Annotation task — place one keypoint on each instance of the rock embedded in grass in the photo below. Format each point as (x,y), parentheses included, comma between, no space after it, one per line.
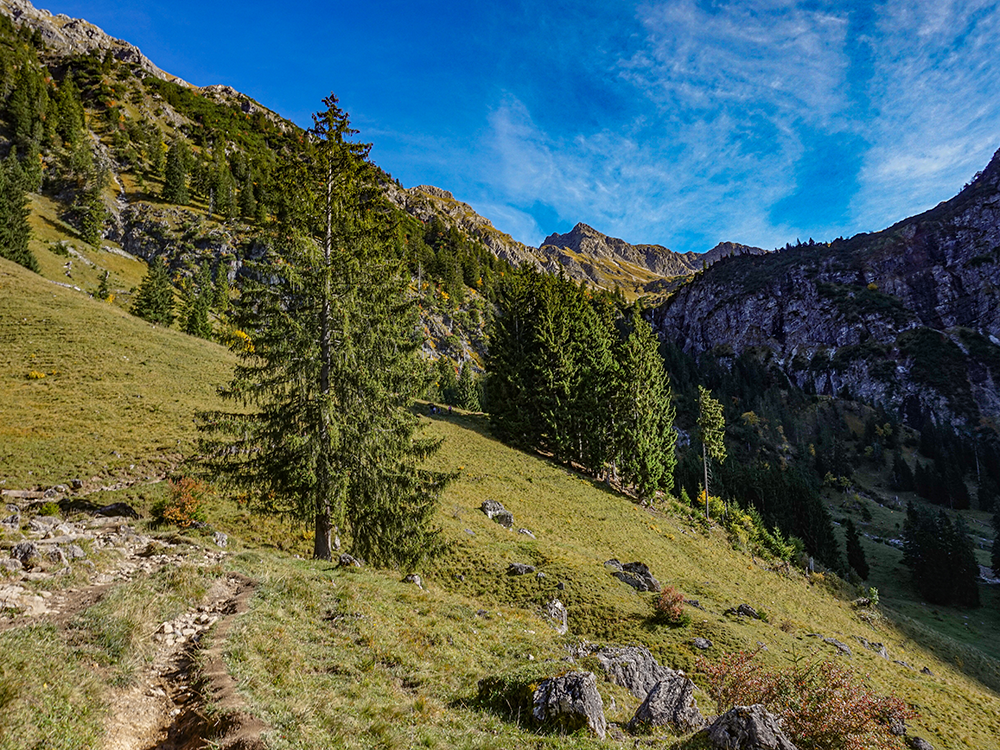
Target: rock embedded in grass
(633,668)
(748,728)
(671,703)
(520,569)
(571,702)
(495,511)
(635,574)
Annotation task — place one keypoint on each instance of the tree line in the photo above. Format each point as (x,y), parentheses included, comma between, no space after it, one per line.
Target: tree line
(577,374)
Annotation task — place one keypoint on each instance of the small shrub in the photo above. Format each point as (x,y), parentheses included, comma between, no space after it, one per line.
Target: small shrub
(669,607)
(49,509)
(822,705)
(510,695)
(35,375)
(184,506)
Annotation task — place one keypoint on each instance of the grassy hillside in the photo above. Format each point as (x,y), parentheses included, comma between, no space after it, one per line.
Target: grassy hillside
(117,397)
(329,657)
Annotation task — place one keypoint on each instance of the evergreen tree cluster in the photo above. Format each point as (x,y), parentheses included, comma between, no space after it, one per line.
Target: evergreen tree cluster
(940,557)
(14,229)
(571,373)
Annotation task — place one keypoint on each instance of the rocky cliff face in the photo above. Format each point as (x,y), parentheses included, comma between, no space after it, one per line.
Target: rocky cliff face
(909,316)
(73,36)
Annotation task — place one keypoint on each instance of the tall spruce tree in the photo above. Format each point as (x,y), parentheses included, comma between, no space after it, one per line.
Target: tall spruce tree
(855,554)
(329,368)
(155,299)
(642,412)
(175,187)
(711,433)
(14,229)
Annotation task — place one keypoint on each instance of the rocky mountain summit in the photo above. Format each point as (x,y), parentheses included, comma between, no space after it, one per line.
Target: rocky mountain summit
(74,36)
(908,317)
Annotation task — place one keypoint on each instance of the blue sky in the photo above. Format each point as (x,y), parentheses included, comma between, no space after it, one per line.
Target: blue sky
(682,123)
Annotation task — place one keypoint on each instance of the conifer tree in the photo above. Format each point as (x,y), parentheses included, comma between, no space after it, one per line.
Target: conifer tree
(220,297)
(995,551)
(197,323)
(855,554)
(468,388)
(642,412)
(711,432)
(175,187)
(329,368)
(155,299)
(14,229)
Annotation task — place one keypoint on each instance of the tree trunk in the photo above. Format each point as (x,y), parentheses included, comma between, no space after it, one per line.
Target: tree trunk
(704,459)
(321,545)
(321,541)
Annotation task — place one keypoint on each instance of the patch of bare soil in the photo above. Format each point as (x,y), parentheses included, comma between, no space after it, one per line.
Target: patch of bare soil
(165,709)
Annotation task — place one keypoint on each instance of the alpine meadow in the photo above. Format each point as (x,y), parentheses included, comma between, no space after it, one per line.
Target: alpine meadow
(294,456)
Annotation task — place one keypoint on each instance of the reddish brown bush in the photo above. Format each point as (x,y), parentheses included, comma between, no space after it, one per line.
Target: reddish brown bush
(824,707)
(184,506)
(669,607)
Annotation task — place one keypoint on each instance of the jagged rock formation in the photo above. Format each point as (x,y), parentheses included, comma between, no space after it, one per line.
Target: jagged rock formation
(74,36)
(426,201)
(909,317)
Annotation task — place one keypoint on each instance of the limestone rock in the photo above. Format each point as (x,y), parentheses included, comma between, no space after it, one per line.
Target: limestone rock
(526,533)
(636,575)
(702,643)
(634,668)
(414,579)
(520,569)
(570,701)
(670,703)
(10,565)
(220,539)
(24,553)
(497,513)
(918,743)
(348,561)
(558,615)
(748,728)
(118,509)
(12,521)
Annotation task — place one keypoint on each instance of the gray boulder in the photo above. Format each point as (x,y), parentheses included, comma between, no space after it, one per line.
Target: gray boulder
(10,565)
(558,616)
(75,552)
(24,553)
(220,538)
(744,610)
(520,569)
(12,521)
(670,703)
(57,557)
(415,579)
(702,643)
(348,561)
(918,743)
(634,668)
(123,510)
(636,575)
(748,728)
(571,702)
(497,513)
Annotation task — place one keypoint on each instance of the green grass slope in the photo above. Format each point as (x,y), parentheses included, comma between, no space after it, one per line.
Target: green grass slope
(118,395)
(330,657)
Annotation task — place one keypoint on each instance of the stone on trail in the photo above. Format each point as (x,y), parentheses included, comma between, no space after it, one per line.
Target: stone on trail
(220,539)
(24,552)
(118,509)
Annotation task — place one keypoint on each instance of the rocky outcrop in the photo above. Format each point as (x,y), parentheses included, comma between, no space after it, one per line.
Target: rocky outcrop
(635,574)
(426,202)
(495,511)
(909,317)
(748,728)
(571,702)
(670,703)
(634,668)
(73,36)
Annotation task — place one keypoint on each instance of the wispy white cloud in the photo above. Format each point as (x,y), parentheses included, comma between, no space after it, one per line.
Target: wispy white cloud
(714,138)
(936,89)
